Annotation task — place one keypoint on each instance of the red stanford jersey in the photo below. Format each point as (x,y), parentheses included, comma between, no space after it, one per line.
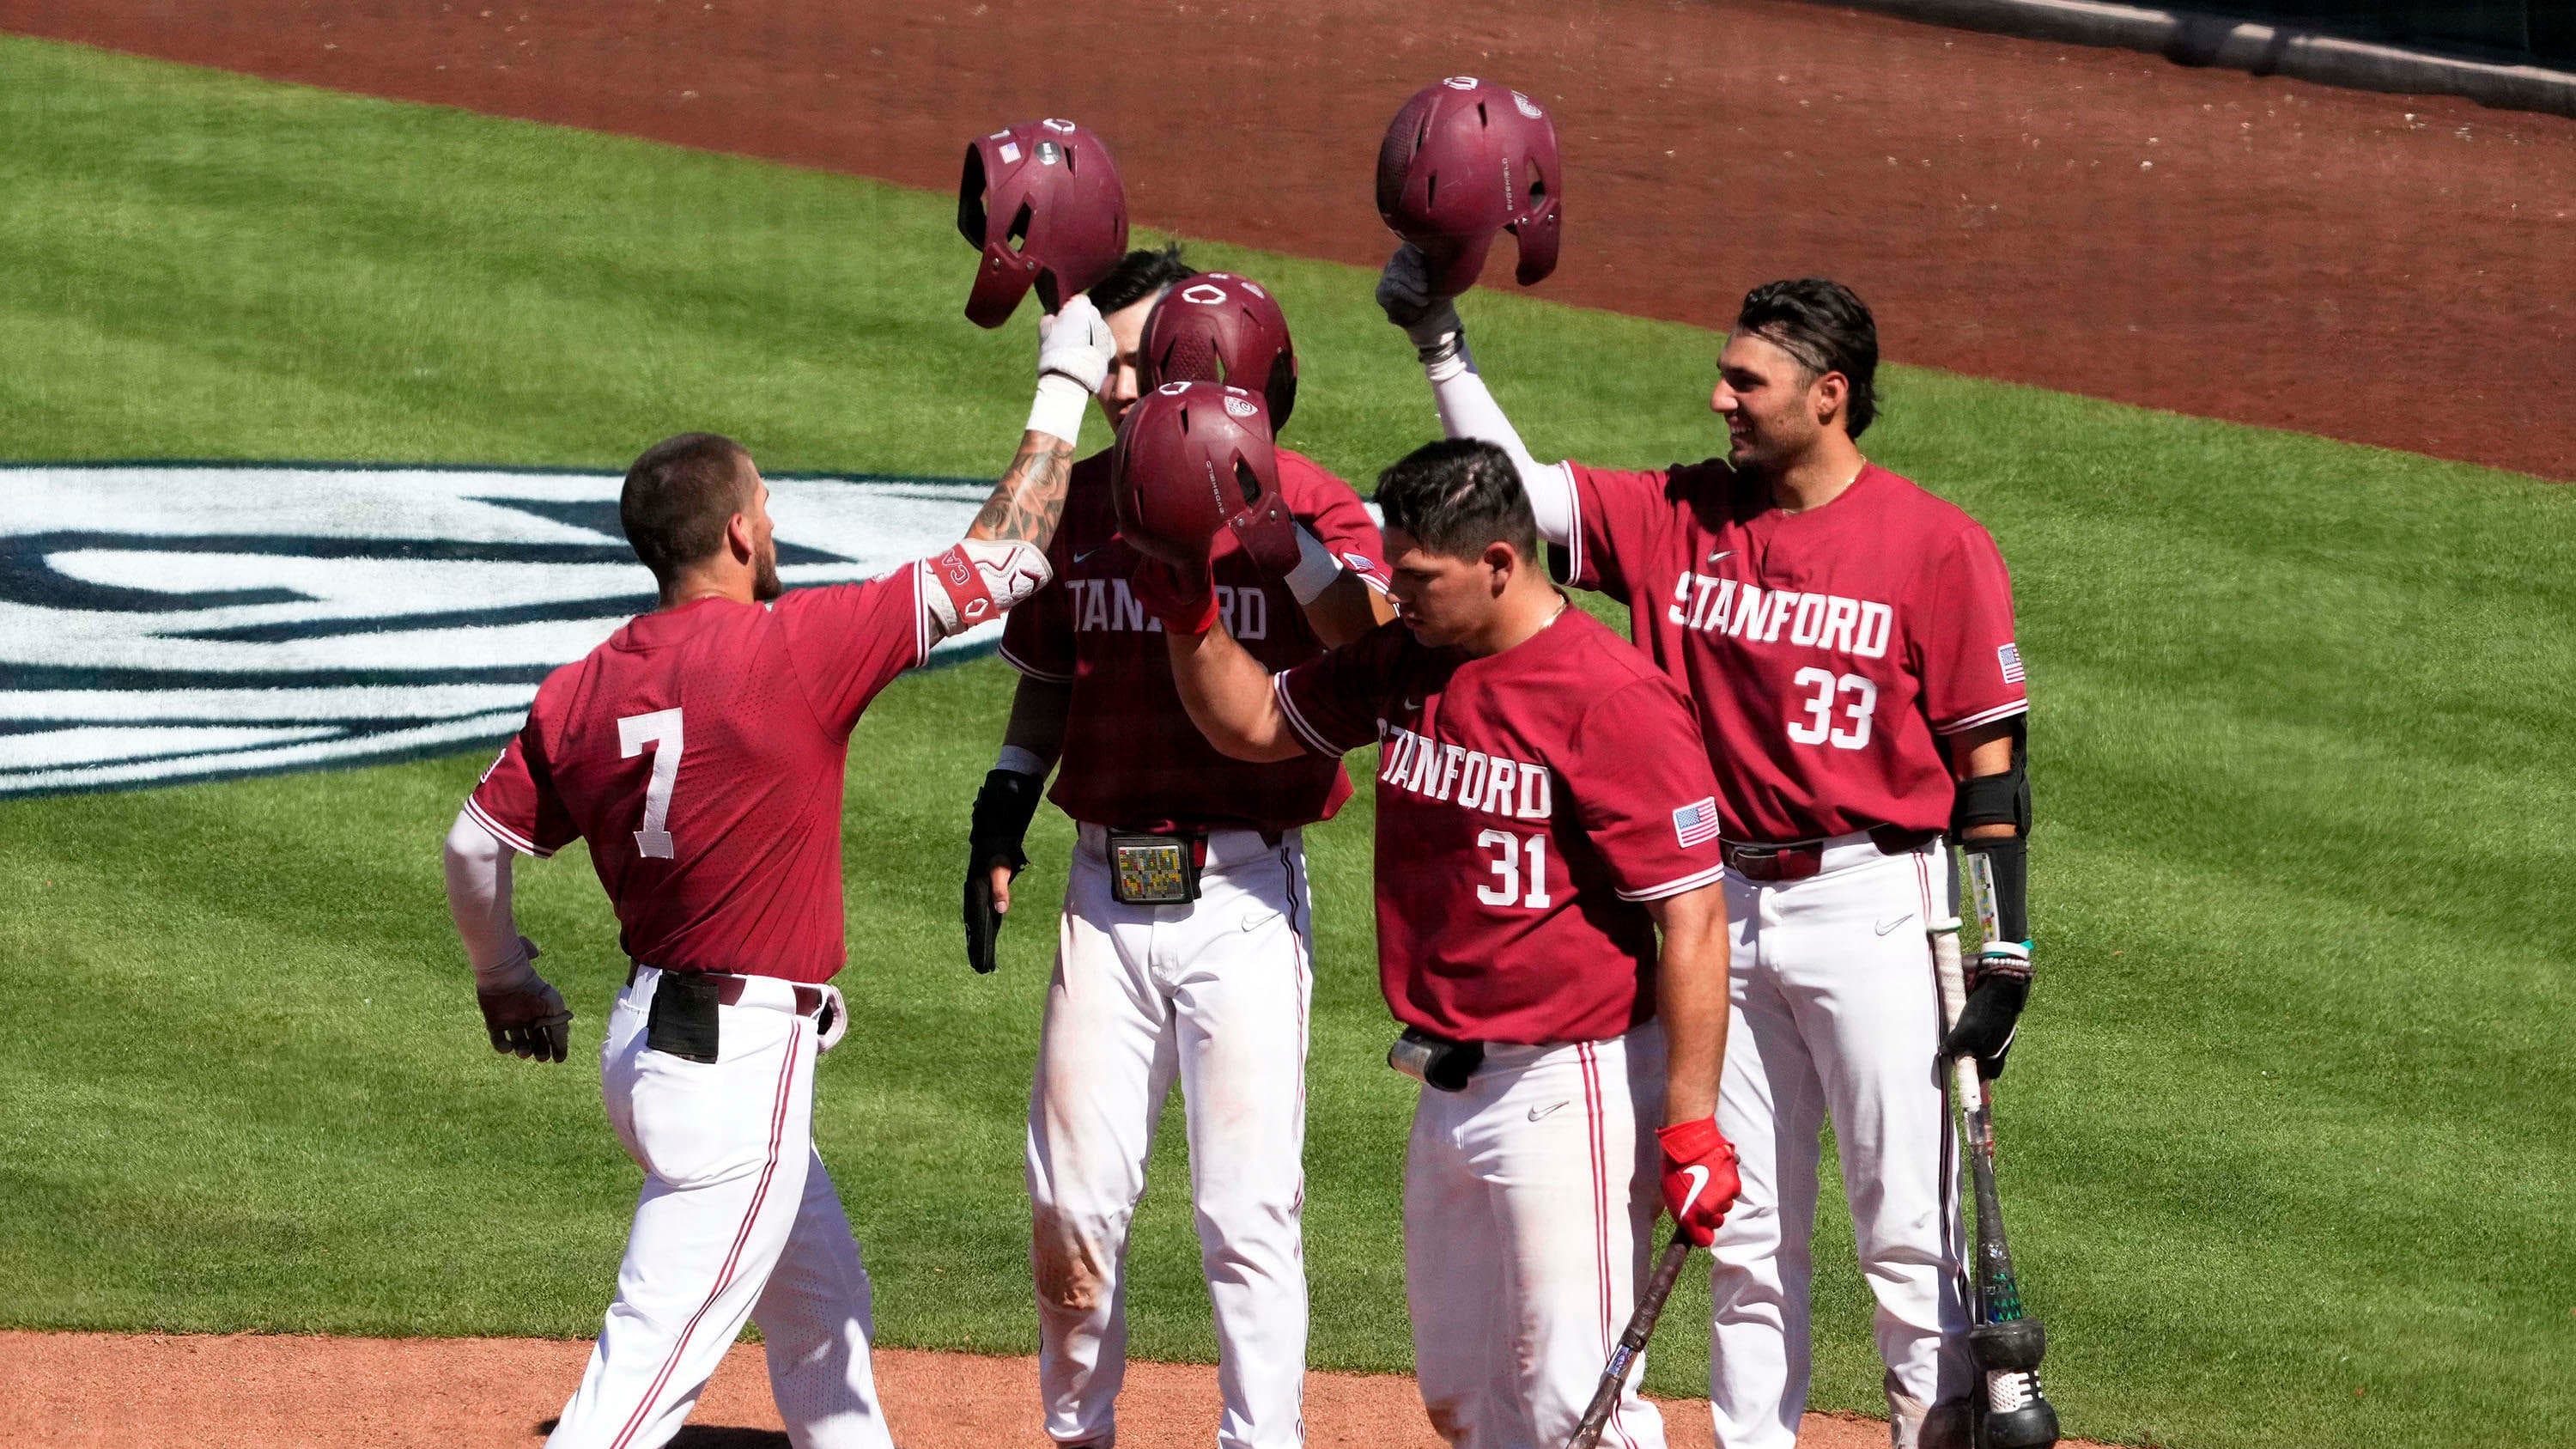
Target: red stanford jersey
(1132,759)
(1527,804)
(700,752)
(1826,652)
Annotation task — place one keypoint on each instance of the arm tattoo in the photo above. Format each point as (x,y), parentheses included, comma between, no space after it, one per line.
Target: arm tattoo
(1029,501)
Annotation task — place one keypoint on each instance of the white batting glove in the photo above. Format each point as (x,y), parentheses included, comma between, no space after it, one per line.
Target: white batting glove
(1076,344)
(1404,294)
(833,1022)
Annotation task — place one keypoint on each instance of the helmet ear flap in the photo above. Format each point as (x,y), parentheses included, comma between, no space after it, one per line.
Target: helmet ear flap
(1538,237)
(970,198)
(1280,392)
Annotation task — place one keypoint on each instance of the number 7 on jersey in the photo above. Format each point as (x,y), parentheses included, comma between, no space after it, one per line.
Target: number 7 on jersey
(661,730)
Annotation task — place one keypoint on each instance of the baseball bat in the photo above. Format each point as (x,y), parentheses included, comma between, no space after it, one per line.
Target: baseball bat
(2005,1341)
(1632,1342)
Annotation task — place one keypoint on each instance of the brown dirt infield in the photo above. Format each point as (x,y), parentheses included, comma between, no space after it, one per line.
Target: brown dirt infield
(2396,270)
(113,1391)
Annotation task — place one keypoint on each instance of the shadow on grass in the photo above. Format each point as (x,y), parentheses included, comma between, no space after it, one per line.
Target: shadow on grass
(703,1436)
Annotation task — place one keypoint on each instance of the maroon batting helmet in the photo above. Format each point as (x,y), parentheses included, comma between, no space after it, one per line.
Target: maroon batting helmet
(1043,203)
(1190,455)
(1218,327)
(1463,160)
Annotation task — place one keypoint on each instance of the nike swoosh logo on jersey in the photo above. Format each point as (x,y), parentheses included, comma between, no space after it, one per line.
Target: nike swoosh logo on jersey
(1699,1183)
(1721,553)
(1889,925)
(1084,556)
(1535,1113)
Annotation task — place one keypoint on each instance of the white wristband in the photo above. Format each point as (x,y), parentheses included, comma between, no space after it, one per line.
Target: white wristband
(1020,760)
(1446,361)
(1316,568)
(1058,408)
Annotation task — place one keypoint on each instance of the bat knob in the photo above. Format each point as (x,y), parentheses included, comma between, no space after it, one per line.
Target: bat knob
(2030,1425)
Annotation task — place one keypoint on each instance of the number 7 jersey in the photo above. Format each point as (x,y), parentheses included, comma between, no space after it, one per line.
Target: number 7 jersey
(701,751)
(1826,653)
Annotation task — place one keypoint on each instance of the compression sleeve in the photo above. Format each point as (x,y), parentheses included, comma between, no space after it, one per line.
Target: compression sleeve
(1468,410)
(478,893)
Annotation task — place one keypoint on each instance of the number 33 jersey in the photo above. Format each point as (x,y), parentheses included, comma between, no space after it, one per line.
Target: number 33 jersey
(700,751)
(1528,804)
(1826,652)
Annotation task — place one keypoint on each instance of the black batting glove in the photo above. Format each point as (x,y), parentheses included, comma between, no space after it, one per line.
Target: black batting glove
(994,836)
(1998,988)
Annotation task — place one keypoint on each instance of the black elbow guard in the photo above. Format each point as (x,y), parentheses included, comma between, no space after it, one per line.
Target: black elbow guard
(1993,800)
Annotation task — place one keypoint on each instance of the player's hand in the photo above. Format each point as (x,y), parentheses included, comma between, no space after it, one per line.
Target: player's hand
(1404,294)
(1184,599)
(1076,344)
(522,1012)
(1998,988)
(1699,1178)
(995,835)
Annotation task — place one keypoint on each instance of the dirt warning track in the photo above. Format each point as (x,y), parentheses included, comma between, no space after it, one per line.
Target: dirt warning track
(2388,269)
(245,1391)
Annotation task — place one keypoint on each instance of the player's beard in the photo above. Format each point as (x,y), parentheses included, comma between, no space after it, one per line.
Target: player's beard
(764,579)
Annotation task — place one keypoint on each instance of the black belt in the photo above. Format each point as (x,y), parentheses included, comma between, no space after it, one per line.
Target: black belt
(1799,859)
(729,988)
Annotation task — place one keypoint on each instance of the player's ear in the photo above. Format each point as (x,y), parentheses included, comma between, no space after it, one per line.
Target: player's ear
(740,538)
(1502,558)
(1831,398)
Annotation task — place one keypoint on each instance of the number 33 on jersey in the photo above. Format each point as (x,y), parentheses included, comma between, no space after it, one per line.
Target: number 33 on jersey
(1828,651)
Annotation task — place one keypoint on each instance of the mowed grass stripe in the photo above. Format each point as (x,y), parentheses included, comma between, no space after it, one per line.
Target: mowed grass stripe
(2286,1144)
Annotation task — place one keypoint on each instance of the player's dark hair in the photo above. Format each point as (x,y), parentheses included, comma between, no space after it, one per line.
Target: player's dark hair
(1139,275)
(678,498)
(1458,495)
(1825,327)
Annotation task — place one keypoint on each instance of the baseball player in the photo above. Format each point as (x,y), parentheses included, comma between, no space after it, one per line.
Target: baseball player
(1183,952)
(1543,809)
(1846,639)
(700,752)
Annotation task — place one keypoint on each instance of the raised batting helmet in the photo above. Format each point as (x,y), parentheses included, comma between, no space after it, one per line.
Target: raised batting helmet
(1043,203)
(1463,160)
(1218,327)
(1190,455)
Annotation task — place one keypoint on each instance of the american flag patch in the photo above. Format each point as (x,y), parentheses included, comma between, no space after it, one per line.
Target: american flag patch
(2009,655)
(1696,824)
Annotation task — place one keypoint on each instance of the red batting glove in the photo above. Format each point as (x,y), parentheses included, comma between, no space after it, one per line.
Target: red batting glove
(1184,600)
(1699,1178)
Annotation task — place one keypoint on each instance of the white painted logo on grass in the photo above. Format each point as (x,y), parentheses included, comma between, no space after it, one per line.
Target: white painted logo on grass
(166,623)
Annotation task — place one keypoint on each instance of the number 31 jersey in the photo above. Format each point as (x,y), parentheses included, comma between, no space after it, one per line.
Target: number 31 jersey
(1528,804)
(1826,652)
(700,751)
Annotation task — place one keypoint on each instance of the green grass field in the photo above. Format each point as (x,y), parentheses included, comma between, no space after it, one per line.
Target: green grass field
(2288,1138)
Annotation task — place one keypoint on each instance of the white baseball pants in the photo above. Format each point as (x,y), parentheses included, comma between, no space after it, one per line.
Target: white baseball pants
(1529,1201)
(737,1220)
(1836,1012)
(1214,994)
